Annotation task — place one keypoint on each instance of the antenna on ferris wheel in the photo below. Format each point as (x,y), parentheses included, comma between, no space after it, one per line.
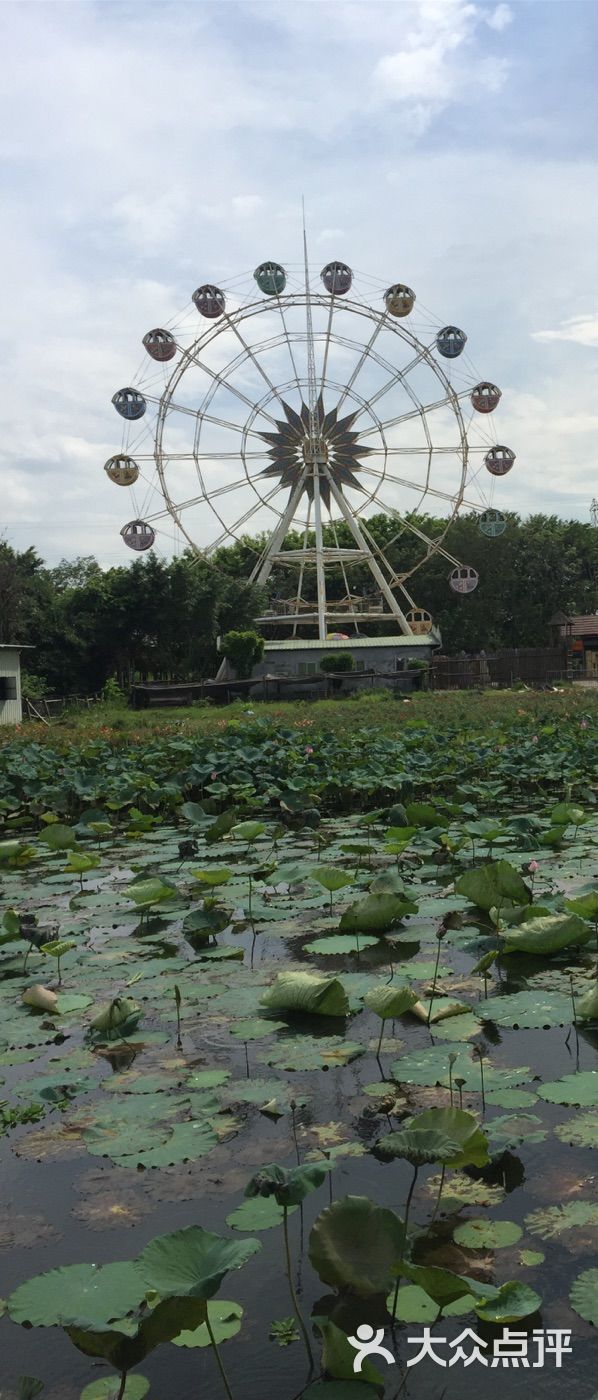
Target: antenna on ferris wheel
(594,513)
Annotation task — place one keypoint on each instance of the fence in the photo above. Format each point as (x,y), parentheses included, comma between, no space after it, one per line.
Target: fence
(532,665)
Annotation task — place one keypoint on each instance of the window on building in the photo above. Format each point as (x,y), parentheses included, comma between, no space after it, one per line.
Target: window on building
(307,668)
(8,688)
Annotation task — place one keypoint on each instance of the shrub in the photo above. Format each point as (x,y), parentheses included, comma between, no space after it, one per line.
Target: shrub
(243,650)
(337,662)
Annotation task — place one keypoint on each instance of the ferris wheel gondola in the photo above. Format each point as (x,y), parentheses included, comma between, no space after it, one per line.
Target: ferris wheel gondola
(289,420)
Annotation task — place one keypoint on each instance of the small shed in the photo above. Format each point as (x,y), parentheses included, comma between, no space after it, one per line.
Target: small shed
(580,634)
(11,711)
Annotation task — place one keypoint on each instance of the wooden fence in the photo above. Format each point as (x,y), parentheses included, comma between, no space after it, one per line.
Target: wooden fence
(532,665)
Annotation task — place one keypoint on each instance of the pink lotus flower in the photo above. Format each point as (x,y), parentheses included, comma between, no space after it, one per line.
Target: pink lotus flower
(213,777)
(308,748)
(534,738)
(533,867)
(583,724)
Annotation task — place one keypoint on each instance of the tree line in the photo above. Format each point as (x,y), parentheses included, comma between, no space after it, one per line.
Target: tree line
(161,619)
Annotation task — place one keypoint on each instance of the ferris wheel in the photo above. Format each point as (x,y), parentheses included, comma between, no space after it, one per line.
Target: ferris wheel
(284,411)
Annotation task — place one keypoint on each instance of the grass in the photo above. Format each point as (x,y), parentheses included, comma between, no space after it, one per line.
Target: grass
(474,711)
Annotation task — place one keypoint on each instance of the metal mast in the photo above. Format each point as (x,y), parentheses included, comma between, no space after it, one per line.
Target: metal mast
(316,451)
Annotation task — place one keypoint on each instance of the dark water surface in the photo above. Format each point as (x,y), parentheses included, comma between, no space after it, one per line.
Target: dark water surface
(204,1192)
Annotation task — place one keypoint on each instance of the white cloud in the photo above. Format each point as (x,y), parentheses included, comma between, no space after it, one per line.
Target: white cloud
(580,330)
(438,62)
(500,17)
(152,148)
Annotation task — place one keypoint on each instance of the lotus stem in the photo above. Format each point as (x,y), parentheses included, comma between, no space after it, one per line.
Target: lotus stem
(437,1205)
(294,1130)
(434,982)
(121,1388)
(294,1299)
(572,998)
(380,1039)
(406,1223)
(214,1346)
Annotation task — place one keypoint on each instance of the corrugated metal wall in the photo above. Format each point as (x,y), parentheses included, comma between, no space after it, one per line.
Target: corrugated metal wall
(10,671)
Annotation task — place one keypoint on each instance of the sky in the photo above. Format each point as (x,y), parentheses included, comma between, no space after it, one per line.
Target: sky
(150,147)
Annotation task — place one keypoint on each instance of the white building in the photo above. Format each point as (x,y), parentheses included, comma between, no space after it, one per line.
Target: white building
(11,711)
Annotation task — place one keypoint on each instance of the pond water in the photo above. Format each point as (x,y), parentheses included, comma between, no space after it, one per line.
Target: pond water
(80,1184)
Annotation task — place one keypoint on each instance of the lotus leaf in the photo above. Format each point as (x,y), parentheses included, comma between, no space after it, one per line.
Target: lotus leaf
(443,1285)
(419,1146)
(584,1296)
(225,1322)
(586,1007)
(514,1301)
(150,889)
(460,1126)
(338,1356)
(289,1187)
(90,1296)
(390,1000)
(413,1304)
(330,877)
(547,935)
(355,1246)
(492,884)
(376,913)
(306,993)
(191,1263)
(59,837)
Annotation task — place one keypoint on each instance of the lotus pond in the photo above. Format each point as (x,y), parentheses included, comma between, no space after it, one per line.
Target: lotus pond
(270,1075)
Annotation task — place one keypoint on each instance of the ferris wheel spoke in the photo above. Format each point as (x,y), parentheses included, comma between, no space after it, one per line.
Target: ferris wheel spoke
(432,546)
(361,361)
(230,531)
(211,419)
(426,489)
(326,347)
(254,360)
(214,494)
(220,381)
(289,347)
(420,412)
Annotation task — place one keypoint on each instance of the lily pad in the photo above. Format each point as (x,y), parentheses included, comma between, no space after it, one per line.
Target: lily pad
(584,1296)
(487,1234)
(530,1010)
(107,1388)
(514,1301)
(580,1088)
(225,1322)
(258,1213)
(551,1221)
(580,1131)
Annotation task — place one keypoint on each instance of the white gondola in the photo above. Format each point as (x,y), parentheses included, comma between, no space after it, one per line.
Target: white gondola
(138,535)
(464,579)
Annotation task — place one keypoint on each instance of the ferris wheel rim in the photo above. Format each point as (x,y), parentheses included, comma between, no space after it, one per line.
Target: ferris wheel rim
(381,321)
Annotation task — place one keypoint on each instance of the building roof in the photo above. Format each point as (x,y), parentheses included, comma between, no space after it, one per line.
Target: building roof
(348,644)
(584,626)
(16,646)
